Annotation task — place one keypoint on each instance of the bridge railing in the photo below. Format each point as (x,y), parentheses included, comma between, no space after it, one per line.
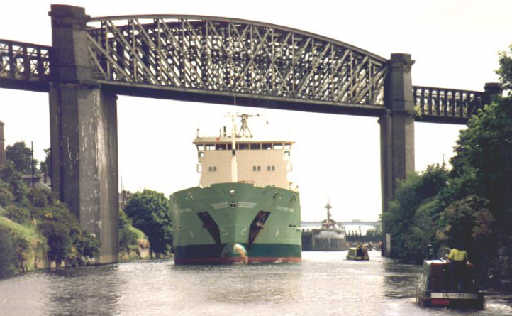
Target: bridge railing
(233,56)
(25,62)
(450,105)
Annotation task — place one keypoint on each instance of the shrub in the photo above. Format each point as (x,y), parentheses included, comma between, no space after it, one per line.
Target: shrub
(7,254)
(39,197)
(6,197)
(59,240)
(17,214)
(87,245)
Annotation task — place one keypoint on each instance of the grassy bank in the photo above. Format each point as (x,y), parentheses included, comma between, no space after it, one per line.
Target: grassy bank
(23,249)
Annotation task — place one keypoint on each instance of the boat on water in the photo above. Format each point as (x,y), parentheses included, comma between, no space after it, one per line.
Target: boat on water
(437,287)
(328,237)
(245,210)
(358,254)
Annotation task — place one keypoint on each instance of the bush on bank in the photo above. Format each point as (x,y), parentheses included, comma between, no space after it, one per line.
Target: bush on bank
(37,230)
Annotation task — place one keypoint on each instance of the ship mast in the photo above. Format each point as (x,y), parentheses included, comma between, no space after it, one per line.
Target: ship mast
(328,207)
(244,132)
(234,164)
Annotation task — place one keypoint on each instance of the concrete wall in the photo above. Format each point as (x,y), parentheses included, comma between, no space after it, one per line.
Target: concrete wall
(83,123)
(396,129)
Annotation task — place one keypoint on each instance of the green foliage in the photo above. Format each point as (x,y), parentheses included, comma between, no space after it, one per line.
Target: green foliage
(6,197)
(127,236)
(17,214)
(505,70)
(40,197)
(46,165)
(411,216)
(7,254)
(12,177)
(21,156)
(149,211)
(37,222)
(59,240)
(467,222)
(87,244)
(26,242)
(484,156)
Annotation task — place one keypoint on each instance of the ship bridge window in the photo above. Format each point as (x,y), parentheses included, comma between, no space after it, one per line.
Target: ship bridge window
(255,146)
(210,146)
(242,146)
(200,147)
(220,147)
(212,168)
(278,146)
(266,146)
(287,146)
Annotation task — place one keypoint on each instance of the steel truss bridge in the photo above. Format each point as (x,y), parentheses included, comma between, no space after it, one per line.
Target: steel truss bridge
(207,59)
(232,61)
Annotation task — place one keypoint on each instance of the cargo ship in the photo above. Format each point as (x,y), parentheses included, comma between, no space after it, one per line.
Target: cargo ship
(245,210)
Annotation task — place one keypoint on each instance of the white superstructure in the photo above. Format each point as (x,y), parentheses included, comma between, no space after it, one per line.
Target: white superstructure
(238,157)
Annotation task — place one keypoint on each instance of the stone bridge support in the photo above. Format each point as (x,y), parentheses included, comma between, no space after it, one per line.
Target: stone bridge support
(83,122)
(396,131)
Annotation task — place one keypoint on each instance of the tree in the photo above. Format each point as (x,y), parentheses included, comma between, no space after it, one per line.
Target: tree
(21,156)
(467,224)
(13,178)
(505,70)
(150,212)
(484,159)
(411,219)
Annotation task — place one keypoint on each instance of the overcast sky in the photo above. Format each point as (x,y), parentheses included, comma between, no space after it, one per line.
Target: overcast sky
(455,45)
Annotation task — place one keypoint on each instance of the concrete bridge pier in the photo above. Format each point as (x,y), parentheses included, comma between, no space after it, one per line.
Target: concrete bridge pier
(396,131)
(83,122)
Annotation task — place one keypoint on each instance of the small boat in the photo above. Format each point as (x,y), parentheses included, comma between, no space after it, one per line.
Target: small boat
(358,254)
(436,287)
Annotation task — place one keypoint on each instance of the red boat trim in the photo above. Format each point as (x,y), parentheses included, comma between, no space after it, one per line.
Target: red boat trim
(229,260)
(440,301)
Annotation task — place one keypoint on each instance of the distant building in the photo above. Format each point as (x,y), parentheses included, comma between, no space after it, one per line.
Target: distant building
(3,158)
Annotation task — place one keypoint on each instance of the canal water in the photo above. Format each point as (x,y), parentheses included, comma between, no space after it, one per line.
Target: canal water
(323,284)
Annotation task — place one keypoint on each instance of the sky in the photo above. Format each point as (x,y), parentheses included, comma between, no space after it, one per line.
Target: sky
(336,159)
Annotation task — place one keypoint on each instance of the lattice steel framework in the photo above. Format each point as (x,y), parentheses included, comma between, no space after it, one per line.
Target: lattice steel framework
(235,57)
(449,104)
(25,62)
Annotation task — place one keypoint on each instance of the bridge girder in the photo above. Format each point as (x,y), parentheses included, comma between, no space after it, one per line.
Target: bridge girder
(233,57)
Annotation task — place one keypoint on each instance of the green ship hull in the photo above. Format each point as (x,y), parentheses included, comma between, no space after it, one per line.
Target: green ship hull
(235,222)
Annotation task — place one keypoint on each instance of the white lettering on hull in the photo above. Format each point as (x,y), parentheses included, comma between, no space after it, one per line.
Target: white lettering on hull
(285,209)
(470,296)
(220,205)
